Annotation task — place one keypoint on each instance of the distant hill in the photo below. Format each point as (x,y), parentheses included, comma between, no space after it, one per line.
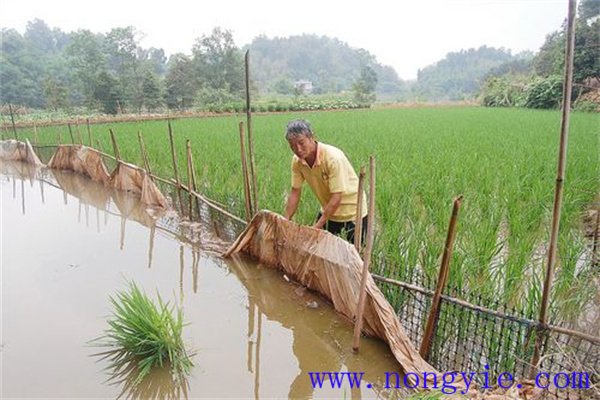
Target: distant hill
(460,74)
(330,64)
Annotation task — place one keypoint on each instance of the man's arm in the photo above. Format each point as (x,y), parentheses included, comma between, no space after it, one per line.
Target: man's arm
(329,209)
(292,203)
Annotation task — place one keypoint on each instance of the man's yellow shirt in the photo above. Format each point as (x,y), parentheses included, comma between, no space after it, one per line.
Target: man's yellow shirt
(331,173)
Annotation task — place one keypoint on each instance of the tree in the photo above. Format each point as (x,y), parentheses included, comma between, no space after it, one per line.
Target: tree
(124,62)
(283,85)
(106,93)
(364,86)
(588,9)
(180,82)
(460,74)
(40,38)
(586,63)
(218,63)
(87,58)
(151,91)
(55,93)
(157,61)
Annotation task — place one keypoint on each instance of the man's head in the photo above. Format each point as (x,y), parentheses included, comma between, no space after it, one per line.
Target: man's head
(301,139)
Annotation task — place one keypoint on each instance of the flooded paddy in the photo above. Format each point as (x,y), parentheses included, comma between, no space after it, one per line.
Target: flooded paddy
(69,243)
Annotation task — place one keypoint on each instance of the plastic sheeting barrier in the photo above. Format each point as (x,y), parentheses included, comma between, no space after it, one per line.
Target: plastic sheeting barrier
(332,267)
(13,150)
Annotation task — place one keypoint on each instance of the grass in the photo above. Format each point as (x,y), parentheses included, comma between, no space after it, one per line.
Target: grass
(143,335)
(502,160)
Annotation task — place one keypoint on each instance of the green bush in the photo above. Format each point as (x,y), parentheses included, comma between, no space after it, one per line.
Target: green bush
(586,106)
(544,92)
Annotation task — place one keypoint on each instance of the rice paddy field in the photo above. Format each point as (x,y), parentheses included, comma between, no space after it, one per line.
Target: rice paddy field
(503,161)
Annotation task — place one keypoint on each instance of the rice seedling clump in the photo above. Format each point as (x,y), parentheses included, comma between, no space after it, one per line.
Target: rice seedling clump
(145,334)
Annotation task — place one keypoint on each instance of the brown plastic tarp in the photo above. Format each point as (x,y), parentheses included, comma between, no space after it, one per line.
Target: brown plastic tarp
(13,150)
(130,178)
(332,267)
(81,159)
(88,161)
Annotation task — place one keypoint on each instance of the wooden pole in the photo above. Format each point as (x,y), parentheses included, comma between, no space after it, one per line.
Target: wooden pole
(144,154)
(248,201)
(188,147)
(115,146)
(89,131)
(35,134)
(359,218)
(558,191)
(12,119)
(194,181)
(79,133)
(367,258)
(596,237)
(175,171)
(250,139)
(71,133)
(432,320)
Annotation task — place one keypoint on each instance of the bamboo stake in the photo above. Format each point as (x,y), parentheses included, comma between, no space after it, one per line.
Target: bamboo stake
(257,356)
(193,186)
(558,191)
(432,320)
(181,267)
(367,258)
(79,133)
(250,333)
(71,133)
(195,261)
(191,178)
(89,131)
(35,134)
(250,139)
(12,119)
(596,237)
(175,171)
(248,201)
(359,218)
(151,245)
(115,146)
(59,139)
(144,154)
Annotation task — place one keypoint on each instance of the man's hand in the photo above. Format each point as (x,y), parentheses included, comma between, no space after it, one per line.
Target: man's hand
(329,210)
(292,203)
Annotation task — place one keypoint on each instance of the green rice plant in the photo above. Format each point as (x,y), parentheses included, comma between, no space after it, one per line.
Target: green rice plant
(144,335)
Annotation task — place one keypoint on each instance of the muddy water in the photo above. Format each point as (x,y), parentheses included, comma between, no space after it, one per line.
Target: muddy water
(67,247)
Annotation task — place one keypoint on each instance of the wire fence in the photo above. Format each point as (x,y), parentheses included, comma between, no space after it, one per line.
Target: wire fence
(475,339)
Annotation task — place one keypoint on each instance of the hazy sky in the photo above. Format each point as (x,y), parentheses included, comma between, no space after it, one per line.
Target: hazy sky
(406,34)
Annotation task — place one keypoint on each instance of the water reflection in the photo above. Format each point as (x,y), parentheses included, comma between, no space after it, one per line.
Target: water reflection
(160,383)
(320,343)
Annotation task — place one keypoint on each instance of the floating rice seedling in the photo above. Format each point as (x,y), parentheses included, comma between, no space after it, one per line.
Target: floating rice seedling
(143,335)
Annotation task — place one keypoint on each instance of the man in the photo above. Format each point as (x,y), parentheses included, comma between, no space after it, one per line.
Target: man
(330,176)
